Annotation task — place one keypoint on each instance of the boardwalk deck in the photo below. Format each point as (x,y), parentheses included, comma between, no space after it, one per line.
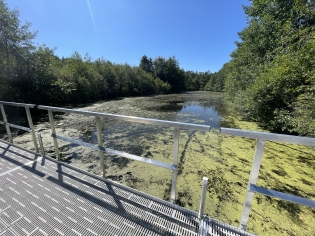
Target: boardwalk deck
(43,197)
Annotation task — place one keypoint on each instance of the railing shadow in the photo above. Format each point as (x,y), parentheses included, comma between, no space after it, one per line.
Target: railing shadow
(21,164)
(120,209)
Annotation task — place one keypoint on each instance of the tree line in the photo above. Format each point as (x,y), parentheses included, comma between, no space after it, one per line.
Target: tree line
(35,74)
(271,76)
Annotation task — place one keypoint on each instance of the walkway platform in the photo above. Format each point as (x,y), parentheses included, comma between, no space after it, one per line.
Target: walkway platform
(40,196)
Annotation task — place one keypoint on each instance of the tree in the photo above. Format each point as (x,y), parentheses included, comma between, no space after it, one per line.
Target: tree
(270,76)
(169,71)
(146,64)
(15,40)
(36,84)
(15,49)
(36,75)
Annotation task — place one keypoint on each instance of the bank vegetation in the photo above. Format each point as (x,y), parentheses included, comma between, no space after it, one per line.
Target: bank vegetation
(36,74)
(271,76)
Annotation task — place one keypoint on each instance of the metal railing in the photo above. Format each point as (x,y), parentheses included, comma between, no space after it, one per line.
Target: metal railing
(177,125)
(261,137)
(252,187)
(29,118)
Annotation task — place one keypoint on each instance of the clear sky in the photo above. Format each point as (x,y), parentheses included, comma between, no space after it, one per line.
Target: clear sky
(199,33)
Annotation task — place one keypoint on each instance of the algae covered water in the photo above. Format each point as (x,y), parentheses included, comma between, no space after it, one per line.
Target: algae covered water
(225,160)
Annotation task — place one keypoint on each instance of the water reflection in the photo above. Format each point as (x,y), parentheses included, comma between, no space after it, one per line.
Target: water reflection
(193,107)
(200,115)
(198,108)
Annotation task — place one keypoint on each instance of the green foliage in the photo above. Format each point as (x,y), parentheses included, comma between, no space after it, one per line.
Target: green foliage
(168,71)
(34,74)
(15,48)
(204,80)
(15,41)
(271,75)
(102,79)
(146,64)
(216,81)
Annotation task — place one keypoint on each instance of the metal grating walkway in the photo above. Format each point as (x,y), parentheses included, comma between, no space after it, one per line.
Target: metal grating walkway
(46,198)
(43,197)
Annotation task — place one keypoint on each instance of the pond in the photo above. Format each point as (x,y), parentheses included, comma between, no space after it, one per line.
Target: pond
(143,140)
(225,160)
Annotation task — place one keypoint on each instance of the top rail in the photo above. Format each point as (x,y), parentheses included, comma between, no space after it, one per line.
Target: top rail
(180,125)
(18,104)
(270,136)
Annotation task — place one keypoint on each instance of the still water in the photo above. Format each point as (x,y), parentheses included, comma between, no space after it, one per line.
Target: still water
(207,108)
(204,108)
(202,114)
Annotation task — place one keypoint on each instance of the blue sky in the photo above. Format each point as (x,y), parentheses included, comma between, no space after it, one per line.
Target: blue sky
(199,33)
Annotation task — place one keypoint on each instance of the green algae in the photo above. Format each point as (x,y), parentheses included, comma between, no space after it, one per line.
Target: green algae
(224,159)
(285,167)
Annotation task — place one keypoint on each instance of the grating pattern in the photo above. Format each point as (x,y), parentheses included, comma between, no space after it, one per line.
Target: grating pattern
(53,199)
(217,228)
(44,197)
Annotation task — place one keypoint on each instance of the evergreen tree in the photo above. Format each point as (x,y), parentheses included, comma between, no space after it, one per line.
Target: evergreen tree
(146,64)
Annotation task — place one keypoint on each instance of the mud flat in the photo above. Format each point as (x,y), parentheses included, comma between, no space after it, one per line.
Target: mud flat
(226,160)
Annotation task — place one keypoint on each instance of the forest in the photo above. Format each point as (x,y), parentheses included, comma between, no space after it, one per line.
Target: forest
(34,74)
(270,78)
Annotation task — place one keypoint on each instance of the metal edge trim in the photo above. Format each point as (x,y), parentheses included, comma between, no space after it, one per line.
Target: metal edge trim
(226,226)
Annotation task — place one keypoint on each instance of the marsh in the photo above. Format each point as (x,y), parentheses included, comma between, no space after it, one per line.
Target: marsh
(225,160)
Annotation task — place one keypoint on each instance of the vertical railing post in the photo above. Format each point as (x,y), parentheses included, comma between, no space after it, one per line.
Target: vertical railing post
(175,163)
(259,151)
(30,122)
(41,145)
(203,197)
(6,126)
(53,132)
(100,144)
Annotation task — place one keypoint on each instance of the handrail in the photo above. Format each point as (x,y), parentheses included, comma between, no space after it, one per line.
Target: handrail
(18,104)
(270,136)
(97,115)
(252,188)
(180,125)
